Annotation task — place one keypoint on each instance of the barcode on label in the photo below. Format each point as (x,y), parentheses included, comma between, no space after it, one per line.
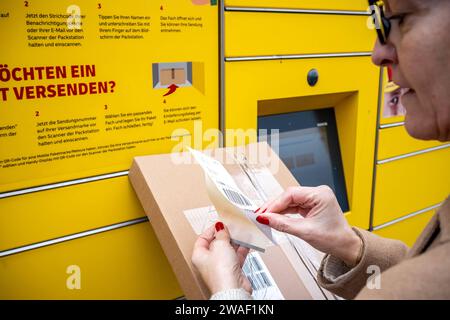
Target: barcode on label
(256,274)
(236,197)
(259,281)
(251,264)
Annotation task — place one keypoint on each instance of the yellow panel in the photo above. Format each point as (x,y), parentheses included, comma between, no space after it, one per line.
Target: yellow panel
(407,230)
(391,120)
(302,4)
(411,184)
(54,213)
(55,134)
(250,34)
(348,84)
(127,263)
(396,141)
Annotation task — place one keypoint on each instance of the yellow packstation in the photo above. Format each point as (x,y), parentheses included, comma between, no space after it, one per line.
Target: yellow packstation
(86,87)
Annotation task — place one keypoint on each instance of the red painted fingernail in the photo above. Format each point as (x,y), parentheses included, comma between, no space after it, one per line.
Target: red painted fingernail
(264,210)
(219,226)
(262,220)
(256,211)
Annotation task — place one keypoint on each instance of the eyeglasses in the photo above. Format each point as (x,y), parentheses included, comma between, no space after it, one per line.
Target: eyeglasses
(382,24)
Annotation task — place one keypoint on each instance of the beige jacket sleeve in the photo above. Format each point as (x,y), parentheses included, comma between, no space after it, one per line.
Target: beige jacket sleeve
(378,254)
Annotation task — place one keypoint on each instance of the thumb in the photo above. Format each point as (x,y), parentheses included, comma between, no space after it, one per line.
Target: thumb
(283,223)
(222,233)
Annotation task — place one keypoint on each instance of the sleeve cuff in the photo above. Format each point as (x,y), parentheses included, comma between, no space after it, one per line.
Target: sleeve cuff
(232,294)
(334,269)
(346,282)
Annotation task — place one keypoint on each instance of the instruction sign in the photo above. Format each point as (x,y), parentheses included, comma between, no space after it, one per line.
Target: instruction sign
(87,85)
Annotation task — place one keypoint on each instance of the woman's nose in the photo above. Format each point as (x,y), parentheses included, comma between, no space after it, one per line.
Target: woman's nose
(384,55)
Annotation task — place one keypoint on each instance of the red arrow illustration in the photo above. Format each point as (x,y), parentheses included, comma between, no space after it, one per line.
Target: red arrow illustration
(172,89)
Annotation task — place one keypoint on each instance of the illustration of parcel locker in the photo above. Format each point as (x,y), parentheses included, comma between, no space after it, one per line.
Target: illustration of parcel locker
(166,74)
(316,99)
(179,75)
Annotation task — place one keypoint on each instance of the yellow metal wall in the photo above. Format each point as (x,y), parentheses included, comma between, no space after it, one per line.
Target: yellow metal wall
(411,180)
(407,230)
(83,211)
(128,263)
(410,176)
(257,82)
(301,4)
(125,263)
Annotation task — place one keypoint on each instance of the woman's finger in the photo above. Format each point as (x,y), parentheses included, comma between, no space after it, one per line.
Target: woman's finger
(222,233)
(293,226)
(292,197)
(295,210)
(204,240)
(242,253)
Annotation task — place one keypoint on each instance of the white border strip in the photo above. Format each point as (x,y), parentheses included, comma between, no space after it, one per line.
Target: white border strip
(300,56)
(71,237)
(392,125)
(62,184)
(412,154)
(375,151)
(387,224)
(302,11)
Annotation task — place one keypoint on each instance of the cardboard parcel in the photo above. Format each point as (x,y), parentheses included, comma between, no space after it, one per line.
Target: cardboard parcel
(185,193)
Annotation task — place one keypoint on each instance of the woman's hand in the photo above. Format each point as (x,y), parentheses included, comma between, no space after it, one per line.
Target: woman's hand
(324,226)
(218,262)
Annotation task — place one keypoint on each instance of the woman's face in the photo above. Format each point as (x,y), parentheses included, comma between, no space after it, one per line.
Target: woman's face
(418,50)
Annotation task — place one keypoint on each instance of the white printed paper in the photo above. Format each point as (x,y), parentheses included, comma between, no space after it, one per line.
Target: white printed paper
(234,208)
(263,285)
(201,219)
